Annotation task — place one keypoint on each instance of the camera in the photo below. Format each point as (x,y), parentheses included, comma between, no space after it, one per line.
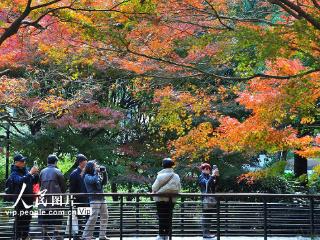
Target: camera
(215,170)
(101,169)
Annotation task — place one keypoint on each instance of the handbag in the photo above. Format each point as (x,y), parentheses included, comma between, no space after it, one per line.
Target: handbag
(208,201)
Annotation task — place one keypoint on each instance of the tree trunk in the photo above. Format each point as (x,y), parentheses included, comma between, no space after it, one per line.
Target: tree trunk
(129,198)
(284,155)
(114,189)
(300,165)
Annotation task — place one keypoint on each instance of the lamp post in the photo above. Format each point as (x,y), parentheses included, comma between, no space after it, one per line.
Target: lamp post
(7,149)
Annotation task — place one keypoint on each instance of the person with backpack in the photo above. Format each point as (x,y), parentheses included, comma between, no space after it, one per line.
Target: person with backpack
(167,182)
(20,177)
(208,181)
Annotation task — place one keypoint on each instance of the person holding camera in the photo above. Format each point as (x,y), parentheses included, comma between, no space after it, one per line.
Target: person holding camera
(208,181)
(95,177)
(14,184)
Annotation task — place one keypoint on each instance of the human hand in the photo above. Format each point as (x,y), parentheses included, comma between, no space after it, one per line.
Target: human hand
(215,172)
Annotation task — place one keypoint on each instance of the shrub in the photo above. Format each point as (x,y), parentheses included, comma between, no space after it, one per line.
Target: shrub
(269,180)
(314,180)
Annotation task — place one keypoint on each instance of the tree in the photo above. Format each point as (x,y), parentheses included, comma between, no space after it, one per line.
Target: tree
(284,115)
(224,42)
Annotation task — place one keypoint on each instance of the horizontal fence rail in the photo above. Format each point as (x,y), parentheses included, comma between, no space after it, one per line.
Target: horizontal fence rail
(134,215)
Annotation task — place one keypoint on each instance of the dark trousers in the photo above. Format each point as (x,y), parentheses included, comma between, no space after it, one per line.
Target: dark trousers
(207,216)
(164,211)
(22,223)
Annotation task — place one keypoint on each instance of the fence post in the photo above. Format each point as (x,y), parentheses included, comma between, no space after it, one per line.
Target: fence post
(15,229)
(226,209)
(137,213)
(121,217)
(182,215)
(218,218)
(312,215)
(265,219)
(171,218)
(70,218)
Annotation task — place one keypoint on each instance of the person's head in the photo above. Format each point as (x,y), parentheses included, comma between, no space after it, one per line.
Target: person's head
(205,168)
(52,159)
(81,161)
(90,167)
(167,163)
(19,161)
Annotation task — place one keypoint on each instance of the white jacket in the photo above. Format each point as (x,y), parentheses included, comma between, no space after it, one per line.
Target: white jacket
(173,186)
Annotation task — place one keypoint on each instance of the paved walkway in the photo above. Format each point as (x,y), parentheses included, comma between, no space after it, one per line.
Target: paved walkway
(226,238)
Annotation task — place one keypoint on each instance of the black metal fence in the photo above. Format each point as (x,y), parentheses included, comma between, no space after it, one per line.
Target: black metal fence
(236,214)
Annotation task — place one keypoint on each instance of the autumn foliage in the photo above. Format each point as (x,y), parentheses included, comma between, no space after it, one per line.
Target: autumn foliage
(266,53)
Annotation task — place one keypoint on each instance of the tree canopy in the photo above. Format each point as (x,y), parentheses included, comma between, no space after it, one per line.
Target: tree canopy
(153,78)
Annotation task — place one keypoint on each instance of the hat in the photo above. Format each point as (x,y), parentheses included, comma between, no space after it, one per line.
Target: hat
(167,163)
(80,158)
(205,165)
(19,158)
(52,159)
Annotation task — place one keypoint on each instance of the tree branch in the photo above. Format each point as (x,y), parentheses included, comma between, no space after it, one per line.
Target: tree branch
(45,4)
(4,72)
(14,27)
(217,16)
(314,22)
(316,3)
(261,75)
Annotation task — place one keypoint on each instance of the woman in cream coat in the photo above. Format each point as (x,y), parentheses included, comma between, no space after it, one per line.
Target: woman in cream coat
(167,182)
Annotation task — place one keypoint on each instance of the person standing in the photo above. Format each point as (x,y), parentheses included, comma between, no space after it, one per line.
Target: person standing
(77,186)
(95,178)
(52,180)
(18,178)
(208,181)
(166,182)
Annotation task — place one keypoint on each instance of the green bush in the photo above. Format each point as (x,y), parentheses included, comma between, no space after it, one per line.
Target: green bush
(314,180)
(268,180)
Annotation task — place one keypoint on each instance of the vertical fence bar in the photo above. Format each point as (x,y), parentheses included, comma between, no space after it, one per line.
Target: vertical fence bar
(218,218)
(7,149)
(265,219)
(170,218)
(15,229)
(137,213)
(182,215)
(226,209)
(121,217)
(311,216)
(70,218)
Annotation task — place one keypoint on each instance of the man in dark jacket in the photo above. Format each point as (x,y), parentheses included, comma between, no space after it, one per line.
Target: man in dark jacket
(19,176)
(77,182)
(52,179)
(208,182)
(77,186)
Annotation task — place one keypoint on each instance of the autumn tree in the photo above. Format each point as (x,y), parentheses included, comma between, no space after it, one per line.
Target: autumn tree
(225,43)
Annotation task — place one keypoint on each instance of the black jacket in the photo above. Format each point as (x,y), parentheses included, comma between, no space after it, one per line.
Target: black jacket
(77,186)
(20,176)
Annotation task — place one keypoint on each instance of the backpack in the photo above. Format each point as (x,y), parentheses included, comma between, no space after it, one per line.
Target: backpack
(9,189)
